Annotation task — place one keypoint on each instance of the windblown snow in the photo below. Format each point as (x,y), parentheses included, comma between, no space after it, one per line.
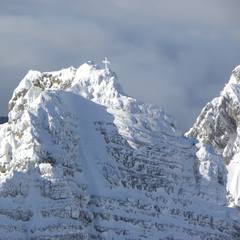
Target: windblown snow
(79,159)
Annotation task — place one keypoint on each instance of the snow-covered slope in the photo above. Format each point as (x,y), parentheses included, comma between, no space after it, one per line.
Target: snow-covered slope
(82,160)
(219,125)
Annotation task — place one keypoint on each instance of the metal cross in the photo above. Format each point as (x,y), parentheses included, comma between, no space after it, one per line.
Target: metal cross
(106,62)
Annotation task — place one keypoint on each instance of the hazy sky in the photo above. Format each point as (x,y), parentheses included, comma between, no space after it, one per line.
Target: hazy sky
(175,54)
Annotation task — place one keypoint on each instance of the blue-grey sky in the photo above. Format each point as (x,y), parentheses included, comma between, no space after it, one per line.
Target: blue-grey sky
(175,54)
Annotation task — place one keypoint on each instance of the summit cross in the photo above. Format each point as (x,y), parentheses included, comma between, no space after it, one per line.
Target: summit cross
(106,62)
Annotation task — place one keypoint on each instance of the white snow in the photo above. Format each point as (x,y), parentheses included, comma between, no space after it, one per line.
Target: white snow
(234,179)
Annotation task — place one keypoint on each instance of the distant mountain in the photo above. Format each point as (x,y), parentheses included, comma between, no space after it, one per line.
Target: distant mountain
(3,120)
(82,160)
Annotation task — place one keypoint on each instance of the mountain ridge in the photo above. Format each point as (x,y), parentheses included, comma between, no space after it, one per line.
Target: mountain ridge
(82,160)
(218,125)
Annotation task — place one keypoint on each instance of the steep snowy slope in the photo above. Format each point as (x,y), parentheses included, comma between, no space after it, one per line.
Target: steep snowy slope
(81,160)
(219,125)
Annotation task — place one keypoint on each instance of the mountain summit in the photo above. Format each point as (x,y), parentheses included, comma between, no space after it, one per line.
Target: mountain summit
(82,160)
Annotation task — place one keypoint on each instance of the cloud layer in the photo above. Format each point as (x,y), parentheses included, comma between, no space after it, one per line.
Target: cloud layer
(174,54)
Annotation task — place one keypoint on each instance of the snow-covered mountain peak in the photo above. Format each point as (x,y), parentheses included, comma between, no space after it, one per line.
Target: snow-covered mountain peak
(223,111)
(97,84)
(219,125)
(89,81)
(89,74)
(79,159)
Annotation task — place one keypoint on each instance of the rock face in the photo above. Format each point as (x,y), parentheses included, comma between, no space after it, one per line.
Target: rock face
(82,160)
(219,125)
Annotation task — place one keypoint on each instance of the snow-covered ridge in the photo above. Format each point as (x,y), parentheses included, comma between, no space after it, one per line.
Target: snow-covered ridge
(89,81)
(219,125)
